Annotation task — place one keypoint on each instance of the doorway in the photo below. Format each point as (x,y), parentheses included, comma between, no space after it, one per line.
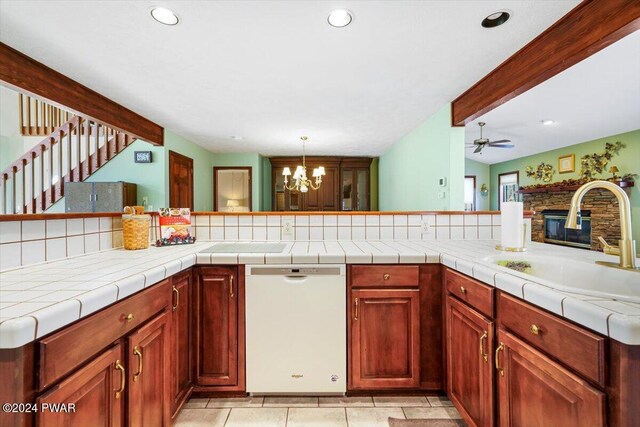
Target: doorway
(180,181)
(470,193)
(232,189)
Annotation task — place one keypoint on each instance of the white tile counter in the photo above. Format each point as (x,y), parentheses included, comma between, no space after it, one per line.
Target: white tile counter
(38,299)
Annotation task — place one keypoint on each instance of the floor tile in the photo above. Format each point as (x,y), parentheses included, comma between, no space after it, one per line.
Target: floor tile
(404,401)
(439,401)
(202,417)
(257,417)
(372,417)
(236,402)
(317,417)
(291,402)
(439,412)
(196,403)
(345,402)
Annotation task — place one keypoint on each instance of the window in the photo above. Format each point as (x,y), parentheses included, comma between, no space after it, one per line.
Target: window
(470,193)
(508,185)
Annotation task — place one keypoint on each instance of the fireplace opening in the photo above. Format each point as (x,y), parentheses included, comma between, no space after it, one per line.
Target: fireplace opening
(556,233)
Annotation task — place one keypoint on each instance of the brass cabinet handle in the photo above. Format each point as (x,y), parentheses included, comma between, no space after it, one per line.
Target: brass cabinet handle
(231,294)
(482,353)
(137,352)
(356,312)
(535,330)
(498,350)
(386,276)
(123,379)
(463,289)
(177,294)
(129,317)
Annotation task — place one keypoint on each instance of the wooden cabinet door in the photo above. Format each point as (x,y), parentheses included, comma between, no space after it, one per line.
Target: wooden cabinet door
(148,377)
(534,391)
(96,390)
(180,340)
(385,338)
(470,369)
(216,305)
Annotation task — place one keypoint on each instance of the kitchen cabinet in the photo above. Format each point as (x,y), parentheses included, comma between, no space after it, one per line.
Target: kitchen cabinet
(470,373)
(345,185)
(148,402)
(535,391)
(96,390)
(180,340)
(384,339)
(219,329)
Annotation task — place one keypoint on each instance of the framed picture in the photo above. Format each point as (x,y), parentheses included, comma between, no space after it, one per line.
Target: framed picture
(567,163)
(142,156)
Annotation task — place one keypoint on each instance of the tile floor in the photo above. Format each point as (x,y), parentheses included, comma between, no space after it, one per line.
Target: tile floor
(311,411)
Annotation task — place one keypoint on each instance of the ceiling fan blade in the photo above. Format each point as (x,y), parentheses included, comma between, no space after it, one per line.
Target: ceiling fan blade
(477,150)
(502,146)
(500,141)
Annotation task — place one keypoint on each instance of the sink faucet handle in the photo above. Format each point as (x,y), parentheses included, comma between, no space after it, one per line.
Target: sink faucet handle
(607,248)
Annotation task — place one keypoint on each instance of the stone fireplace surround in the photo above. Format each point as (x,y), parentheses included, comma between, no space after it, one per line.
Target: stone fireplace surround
(605,219)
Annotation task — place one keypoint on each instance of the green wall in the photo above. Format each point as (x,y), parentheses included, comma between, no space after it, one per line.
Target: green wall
(482,174)
(267,202)
(373,183)
(627,161)
(410,169)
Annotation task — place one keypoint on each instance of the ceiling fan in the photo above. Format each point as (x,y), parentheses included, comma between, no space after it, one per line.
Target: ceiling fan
(481,142)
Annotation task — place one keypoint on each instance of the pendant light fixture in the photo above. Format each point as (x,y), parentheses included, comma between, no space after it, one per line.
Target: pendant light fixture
(300,181)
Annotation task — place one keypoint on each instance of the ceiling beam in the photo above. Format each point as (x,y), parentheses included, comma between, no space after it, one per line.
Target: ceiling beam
(585,30)
(27,75)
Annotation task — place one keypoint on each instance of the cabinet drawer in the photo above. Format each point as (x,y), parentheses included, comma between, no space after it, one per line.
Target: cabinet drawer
(384,275)
(581,350)
(67,349)
(474,293)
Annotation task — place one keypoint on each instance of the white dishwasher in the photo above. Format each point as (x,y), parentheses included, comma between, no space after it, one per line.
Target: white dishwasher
(296,329)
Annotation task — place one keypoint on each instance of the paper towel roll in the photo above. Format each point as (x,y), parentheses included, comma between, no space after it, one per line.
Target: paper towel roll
(511,225)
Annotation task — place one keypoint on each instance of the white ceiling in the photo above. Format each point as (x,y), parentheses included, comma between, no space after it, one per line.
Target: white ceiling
(271,71)
(595,98)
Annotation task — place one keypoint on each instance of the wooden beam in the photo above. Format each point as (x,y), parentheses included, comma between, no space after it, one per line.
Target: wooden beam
(588,28)
(25,74)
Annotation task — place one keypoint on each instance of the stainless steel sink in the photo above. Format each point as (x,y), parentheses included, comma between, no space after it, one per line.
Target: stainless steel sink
(248,247)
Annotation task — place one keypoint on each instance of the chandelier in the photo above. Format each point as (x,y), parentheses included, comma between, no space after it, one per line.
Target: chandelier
(300,181)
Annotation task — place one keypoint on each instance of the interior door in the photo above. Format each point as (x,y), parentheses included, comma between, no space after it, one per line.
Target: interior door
(385,338)
(470,363)
(149,367)
(180,181)
(96,390)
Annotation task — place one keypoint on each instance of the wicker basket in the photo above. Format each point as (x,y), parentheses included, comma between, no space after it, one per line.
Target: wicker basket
(135,228)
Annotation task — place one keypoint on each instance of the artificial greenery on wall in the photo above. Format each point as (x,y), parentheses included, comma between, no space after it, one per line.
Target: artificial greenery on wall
(544,171)
(596,163)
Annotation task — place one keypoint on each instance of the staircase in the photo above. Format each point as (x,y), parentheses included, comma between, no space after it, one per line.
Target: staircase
(72,151)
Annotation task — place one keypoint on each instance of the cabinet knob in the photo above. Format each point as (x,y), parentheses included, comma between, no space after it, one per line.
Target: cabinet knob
(463,289)
(129,317)
(535,330)
(386,276)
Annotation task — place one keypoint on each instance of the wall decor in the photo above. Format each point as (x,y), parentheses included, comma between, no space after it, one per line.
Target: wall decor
(596,163)
(567,163)
(142,156)
(544,171)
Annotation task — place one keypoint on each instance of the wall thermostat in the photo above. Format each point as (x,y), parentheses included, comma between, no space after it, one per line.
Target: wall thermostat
(442,182)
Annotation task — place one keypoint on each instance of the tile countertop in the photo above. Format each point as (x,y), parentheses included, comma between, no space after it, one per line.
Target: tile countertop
(39,299)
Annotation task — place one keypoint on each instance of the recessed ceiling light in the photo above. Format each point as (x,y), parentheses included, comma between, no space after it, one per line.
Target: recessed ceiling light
(496,19)
(164,16)
(236,137)
(548,122)
(340,18)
